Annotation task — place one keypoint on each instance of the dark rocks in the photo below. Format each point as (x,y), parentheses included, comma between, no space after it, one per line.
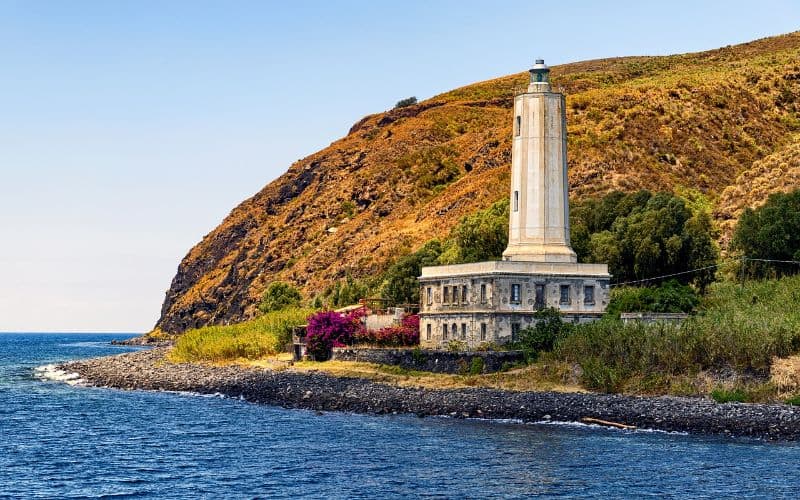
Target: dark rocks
(429,360)
(318,392)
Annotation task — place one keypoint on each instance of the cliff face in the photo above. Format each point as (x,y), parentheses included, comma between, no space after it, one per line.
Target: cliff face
(723,122)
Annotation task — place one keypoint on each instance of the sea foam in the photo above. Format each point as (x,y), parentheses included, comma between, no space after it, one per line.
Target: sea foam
(55,374)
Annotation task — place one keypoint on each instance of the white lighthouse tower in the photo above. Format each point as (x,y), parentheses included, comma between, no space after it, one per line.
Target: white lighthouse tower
(539,213)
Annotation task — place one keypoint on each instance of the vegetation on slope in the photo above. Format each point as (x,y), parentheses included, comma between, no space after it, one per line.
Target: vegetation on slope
(739,330)
(254,339)
(406,176)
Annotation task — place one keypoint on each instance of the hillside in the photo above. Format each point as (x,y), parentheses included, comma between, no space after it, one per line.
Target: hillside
(724,122)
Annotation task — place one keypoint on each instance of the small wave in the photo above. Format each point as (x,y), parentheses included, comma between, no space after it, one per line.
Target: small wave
(55,374)
(565,423)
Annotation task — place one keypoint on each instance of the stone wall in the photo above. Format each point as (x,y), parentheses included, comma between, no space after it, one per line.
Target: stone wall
(430,360)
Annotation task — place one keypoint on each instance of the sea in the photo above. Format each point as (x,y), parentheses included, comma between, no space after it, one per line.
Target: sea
(59,439)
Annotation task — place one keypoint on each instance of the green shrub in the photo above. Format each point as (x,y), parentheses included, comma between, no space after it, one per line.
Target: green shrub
(542,336)
(408,101)
(738,327)
(794,400)
(735,395)
(456,346)
(476,366)
(279,296)
(345,292)
(254,339)
(669,297)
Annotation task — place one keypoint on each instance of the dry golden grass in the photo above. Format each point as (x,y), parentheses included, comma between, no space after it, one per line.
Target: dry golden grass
(785,375)
(540,377)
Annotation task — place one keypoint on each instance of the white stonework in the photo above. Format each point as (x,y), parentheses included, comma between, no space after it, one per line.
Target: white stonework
(490,302)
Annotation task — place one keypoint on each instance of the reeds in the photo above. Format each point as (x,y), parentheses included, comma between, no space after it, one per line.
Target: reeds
(263,336)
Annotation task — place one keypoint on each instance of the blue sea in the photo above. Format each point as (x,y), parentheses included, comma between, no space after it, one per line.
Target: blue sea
(59,440)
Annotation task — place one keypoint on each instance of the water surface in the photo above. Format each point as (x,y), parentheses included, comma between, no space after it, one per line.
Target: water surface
(62,441)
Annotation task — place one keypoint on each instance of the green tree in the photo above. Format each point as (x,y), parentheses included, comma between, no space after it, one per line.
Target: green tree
(771,231)
(542,336)
(478,237)
(279,296)
(652,235)
(346,292)
(408,101)
(400,283)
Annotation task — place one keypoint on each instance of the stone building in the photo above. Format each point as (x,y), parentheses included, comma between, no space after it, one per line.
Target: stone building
(492,301)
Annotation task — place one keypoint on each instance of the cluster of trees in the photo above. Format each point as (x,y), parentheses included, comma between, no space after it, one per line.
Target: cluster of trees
(771,233)
(641,235)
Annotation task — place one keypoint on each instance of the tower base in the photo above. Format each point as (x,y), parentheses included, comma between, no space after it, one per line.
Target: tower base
(540,253)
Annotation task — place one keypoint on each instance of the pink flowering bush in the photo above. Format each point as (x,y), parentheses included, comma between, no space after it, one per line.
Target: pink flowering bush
(329,329)
(404,334)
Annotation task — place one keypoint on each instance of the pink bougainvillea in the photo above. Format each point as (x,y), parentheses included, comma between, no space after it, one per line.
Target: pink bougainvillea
(404,334)
(329,329)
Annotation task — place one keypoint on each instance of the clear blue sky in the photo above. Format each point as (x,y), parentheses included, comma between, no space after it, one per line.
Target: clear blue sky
(129,129)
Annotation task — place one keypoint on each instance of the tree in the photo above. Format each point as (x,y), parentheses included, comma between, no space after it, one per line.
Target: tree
(771,231)
(400,283)
(278,296)
(652,235)
(408,101)
(542,336)
(478,237)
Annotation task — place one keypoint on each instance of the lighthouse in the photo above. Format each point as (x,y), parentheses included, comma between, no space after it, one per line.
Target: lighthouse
(539,207)
(491,302)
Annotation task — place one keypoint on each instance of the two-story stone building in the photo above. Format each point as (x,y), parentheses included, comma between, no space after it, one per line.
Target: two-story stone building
(492,301)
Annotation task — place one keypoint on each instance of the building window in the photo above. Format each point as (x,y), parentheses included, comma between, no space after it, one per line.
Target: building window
(483,293)
(516,201)
(428,332)
(565,299)
(517,126)
(514,332)
(483,331)
(539,302)
(429,294)
(463,331)
(454,331)
(446,295)
(444,332)
(464,294)
(588,295)
(515,293)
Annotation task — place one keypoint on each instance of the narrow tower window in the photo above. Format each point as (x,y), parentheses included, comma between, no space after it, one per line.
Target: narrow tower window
(515,293)
(483,293)
(516,201)
(518,126)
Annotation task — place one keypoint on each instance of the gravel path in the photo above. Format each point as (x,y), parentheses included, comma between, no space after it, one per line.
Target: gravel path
(149,371)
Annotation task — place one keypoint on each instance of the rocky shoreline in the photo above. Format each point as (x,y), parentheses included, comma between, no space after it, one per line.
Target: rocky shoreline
(148,370)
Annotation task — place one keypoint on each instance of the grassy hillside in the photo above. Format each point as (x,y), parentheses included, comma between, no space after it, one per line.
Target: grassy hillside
(720,122)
